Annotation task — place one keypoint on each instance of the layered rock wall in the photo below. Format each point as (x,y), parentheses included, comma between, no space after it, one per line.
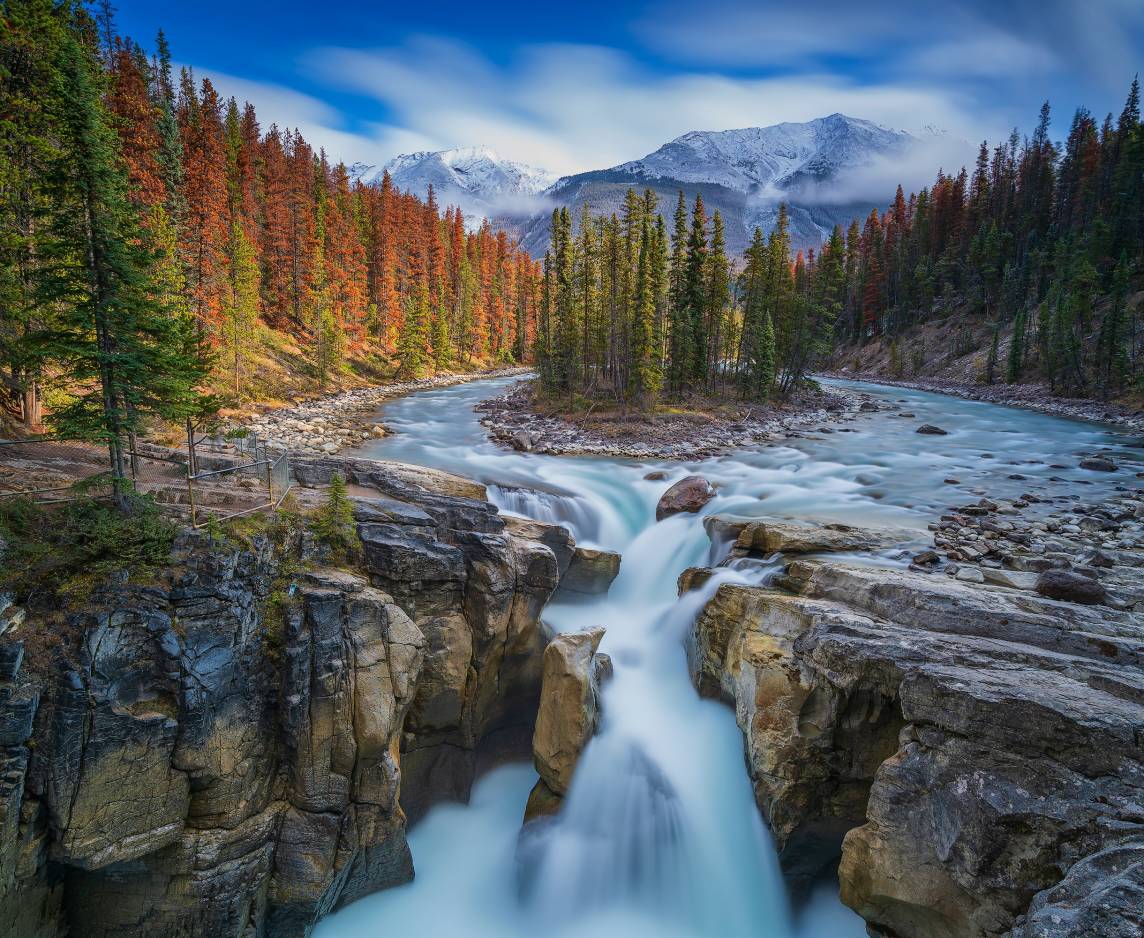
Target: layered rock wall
(234,750)
(979,747)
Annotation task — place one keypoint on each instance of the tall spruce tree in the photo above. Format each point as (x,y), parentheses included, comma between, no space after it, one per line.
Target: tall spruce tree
(127,354)
(695,284)
(240,305)
(681,335)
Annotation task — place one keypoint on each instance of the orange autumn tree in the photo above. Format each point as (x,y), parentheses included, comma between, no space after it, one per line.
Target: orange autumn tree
(260,232)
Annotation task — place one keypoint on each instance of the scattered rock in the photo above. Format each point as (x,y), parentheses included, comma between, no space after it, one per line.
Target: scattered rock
(1098,464)
(931,430)
(1071,587)
(1013,579)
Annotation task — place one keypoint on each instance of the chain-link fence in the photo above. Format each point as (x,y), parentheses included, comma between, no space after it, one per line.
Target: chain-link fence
(215,477)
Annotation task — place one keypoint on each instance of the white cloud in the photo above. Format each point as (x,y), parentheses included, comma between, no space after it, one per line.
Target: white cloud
(913,169)
(986,54)
(570,108)
(320,124)
(770,33)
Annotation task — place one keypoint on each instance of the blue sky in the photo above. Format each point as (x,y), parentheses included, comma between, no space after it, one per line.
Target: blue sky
(581,86)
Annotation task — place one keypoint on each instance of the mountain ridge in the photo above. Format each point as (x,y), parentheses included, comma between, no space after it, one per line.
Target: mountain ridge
(816,167)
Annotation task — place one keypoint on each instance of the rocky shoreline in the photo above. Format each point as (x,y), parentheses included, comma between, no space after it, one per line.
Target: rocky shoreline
(1036,397)
(327,425)
(512,420)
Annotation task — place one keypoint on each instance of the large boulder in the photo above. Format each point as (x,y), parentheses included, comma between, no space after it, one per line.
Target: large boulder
(569,708)
(690,493)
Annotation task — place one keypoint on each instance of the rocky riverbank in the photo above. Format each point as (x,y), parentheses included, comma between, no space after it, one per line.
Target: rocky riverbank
(968,743)
(1036,397)
(512,419)
(234,748)
(332,423)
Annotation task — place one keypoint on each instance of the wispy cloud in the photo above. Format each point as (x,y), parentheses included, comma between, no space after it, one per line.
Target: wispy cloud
(570,108)
(972,67)
(323,126)
(1095,42)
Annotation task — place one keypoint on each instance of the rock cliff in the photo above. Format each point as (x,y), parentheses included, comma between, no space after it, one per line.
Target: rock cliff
(235,748)
(973,752)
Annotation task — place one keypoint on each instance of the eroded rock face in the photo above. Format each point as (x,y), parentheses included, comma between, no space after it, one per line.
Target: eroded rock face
(764,537)
(978,743)
(688,494)
(569,705)
(1102,895)
(230,752)
(590,571)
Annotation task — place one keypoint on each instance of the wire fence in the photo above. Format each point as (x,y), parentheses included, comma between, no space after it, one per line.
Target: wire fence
(211,478)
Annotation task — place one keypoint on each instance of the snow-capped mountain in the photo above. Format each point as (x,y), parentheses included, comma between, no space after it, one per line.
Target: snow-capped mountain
(827,171)
(474,178)
(783,156)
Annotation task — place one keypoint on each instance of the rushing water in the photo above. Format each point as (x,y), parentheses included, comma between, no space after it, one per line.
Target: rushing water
(660,834)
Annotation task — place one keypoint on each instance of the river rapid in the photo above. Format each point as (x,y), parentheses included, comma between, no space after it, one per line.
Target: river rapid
(660,834)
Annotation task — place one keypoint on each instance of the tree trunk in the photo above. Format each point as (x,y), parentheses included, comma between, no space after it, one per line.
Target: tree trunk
(32,406)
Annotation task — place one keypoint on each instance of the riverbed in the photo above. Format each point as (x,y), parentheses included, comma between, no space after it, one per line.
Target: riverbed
(660,834)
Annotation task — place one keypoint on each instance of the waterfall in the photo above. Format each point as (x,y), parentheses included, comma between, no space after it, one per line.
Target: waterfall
(659,834)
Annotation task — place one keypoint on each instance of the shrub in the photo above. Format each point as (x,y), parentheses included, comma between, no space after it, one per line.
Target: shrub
(55,549)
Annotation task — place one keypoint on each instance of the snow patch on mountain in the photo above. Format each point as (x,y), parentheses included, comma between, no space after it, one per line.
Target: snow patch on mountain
(827,171)
(780,157)
(475,179)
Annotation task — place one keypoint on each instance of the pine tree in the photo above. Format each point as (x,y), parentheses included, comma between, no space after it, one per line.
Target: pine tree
(681,337)
(695,294)
(241,304)
(756,358)
(646,378)
(717,299)
(30,140)
(411,339)
(1112,346)
(327,339)
(333,522)
(127,356)
(586,276)
(442,350)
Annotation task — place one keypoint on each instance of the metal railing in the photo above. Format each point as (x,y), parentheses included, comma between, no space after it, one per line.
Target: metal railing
(60,470)
(278,482)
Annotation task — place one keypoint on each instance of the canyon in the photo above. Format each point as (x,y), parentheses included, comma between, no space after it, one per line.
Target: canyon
(241,746)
